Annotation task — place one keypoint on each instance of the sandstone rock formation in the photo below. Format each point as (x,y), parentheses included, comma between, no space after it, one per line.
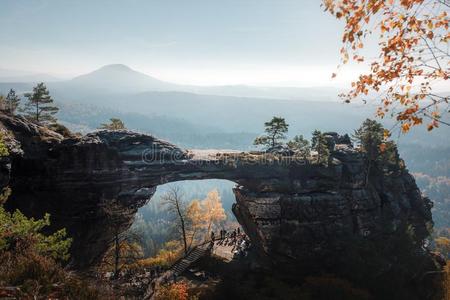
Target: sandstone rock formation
(296,213)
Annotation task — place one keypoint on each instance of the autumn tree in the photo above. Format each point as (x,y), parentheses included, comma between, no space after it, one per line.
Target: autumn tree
(12,101)
(39,106)
(195,219)
(413,38)
(165,257)
(124,246)
(300,145)
(213,210)
(319,144)
(443,245)
(203,215)
(125,251)
(176,205)
(173,291)
(114,124)
(276,130)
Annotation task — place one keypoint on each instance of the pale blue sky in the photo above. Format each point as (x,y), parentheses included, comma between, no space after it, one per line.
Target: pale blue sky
(190,41)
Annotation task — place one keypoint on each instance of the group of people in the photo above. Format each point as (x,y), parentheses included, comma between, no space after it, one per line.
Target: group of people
(238,240)
(233,234)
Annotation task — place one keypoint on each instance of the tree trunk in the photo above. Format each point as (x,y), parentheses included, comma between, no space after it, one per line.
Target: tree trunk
(37,112)
(116,257)
(183,228)
(369,163)
(192,238)
(209,228)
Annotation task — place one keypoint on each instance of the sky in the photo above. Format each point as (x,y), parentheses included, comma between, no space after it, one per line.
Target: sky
(204,42)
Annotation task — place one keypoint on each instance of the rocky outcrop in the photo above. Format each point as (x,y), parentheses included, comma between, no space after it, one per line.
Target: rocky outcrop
(296,213)
(321,211)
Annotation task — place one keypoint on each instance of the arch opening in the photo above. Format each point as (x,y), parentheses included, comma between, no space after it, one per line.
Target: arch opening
(207,210)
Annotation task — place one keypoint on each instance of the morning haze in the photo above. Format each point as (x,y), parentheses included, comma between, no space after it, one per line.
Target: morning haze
(226,150)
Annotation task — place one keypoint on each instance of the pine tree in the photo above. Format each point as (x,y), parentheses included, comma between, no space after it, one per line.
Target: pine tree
(300,145)
(2,102)
(39,108)
(276,130)
(320,145)
(370,137)
(115,124)
(12,101)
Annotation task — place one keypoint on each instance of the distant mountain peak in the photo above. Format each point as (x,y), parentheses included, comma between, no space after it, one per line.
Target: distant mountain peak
(121,78)
(116,67)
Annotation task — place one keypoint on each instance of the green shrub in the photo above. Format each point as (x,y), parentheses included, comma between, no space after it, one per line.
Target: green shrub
(21,234)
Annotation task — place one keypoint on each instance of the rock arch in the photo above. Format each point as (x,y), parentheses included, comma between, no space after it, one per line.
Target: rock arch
(293,211)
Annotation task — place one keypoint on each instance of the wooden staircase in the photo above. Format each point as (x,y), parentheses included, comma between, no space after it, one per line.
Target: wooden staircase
(180,266)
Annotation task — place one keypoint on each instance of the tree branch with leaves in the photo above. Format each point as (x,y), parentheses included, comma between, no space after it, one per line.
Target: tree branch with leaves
(413,38)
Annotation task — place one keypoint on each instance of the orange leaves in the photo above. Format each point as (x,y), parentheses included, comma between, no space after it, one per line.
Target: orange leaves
(413,38)
(405,127)
(411,110)
(175,291)
(383,28)
(416,120)
(380,112)
(433,124)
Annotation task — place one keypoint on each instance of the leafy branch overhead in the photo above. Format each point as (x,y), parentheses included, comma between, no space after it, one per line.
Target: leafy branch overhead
(413,39)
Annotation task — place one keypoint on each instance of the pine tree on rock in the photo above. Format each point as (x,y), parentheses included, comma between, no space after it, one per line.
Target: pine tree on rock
(300,145)
(372,141)
(2,102)
(276,130)
(12,101)
(39,107)
(115,124)
(370,137)
(320,145)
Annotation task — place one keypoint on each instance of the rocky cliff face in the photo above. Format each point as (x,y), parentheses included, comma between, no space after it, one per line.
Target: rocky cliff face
(296,213)
(321,213)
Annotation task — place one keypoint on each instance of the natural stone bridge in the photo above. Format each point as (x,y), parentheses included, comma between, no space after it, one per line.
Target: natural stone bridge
(293,211)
